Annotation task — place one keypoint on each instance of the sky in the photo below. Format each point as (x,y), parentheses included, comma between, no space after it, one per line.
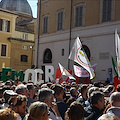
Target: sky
(33,4)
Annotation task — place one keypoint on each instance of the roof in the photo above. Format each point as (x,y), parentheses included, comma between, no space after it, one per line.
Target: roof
(16,5)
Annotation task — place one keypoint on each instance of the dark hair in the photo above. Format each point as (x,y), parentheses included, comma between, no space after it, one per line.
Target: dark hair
(75,112)
(118,87)
(30,86)
(95,96)
(57,89)
(83,88)
(70,100)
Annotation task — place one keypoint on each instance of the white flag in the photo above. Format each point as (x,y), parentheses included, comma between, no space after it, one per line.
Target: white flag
(80,57)
(117,43)
(82,72)
(65,72)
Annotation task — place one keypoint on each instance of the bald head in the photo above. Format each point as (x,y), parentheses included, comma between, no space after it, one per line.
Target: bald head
(115,99)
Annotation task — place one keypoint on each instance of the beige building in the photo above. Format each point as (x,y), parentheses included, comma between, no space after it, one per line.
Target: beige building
(17,37)
(61,21)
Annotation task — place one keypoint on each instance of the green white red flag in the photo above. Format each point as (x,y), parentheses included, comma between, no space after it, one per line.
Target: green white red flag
(117,44)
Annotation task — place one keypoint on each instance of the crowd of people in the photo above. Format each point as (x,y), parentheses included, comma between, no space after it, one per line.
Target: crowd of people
(65,101)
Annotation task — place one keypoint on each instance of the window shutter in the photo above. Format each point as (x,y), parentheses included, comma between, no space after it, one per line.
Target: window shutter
(8,28)
(3,50)
(1,21)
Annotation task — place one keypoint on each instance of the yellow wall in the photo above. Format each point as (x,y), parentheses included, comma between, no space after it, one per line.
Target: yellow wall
(4,36)
(92,12)
(20,34)
(16,52)
(15,48)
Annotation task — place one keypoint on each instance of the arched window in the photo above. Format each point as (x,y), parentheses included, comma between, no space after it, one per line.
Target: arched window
(24,58)
(87,51)
(47,58)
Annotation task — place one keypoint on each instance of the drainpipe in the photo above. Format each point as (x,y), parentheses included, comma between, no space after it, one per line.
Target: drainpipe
(70,32)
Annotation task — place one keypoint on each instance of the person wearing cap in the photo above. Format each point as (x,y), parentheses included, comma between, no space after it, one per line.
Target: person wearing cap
(6,95)
(31,93)
(46,95)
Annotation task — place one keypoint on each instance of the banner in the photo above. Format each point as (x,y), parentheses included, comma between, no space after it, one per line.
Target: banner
(81,72)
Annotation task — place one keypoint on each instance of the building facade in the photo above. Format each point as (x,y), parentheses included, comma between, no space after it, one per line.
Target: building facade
(60,22)
(17,35)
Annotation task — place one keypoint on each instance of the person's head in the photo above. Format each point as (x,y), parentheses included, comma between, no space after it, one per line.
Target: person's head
(46,95)
(115,99)
(92,89)
(7,94)
(49,84)
(8,114)
(108,117)
(84,90)
(31,89)
(20,107)
(22,89)
(75,112)
(70,100)
(109,90)
(1,92)
(73,92)
(97,99)
(8,82)
(118,87)
(38,111)
(59,92)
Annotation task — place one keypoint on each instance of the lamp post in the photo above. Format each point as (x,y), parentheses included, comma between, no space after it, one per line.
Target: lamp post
(31,47)
(38,34)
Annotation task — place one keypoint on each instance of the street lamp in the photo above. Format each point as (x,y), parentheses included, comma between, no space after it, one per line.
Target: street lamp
(31,47)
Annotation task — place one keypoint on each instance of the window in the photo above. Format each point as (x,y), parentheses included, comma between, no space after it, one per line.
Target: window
(24,47)
(45,24)
(4,25)
(25,36)
(79,16)
(3,50)
(60,20)
(62,52)
(107,10)
(47,58)
(24,58)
